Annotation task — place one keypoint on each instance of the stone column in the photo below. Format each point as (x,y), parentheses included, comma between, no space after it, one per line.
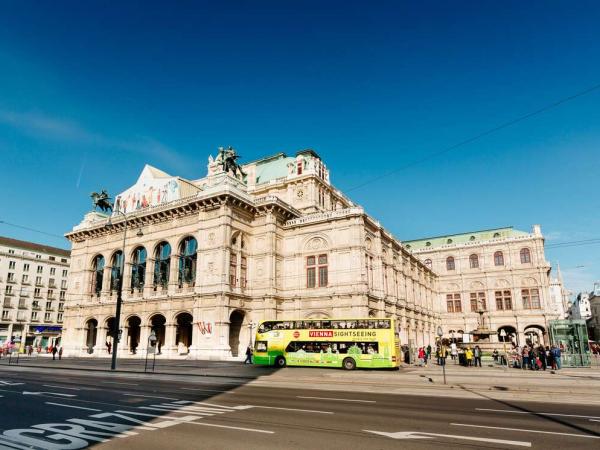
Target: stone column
(149,278)
(174,274)
(99,347)
(106,281)
(143,346)
(170,347)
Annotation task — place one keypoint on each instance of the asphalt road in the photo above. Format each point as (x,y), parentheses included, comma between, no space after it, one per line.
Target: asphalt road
(66,409)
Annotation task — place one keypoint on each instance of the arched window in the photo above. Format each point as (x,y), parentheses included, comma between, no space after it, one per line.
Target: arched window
(498,259)
(428,263)
(450,263)
(187,261)
(162,264)
(449,241)
(138,268)
(98,275)
(474,262)
(525,256)
(115,272)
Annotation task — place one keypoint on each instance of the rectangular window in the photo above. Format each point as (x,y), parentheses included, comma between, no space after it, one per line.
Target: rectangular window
(51,282)
(12,264)
(8,290)
(299,168)
(531,298)
(323,271)
(25,267)
(61,306)
(50,293)
(63,260)
(63,284)
(243,272)
(47,317)
(232,269)
(453,303)
(11,251)
(64,273)
(311,272)
(38,281)
(34,315)
(5,315)
(48,305)
(11,277)
(478,301)
(503,300)
(37,292)
(53,271)
(59,318)
(62,295)
(52,258)
(40,269)
(25,278)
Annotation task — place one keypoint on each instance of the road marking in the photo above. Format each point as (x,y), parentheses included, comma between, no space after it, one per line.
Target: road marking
(537,413)
(170,410)
(48,393)
(338,399)
(150,396)
(525,430)
(61,387)
(9,383)
(74,407)
(117,382)
(292,409)
(231,428)
(207,390)
(189,402)
(423,435)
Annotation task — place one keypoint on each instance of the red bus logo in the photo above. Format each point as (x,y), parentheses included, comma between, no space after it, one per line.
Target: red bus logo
(296,334)
(321,333)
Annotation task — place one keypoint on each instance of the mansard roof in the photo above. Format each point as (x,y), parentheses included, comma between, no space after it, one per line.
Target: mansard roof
(41,248)
(461,238)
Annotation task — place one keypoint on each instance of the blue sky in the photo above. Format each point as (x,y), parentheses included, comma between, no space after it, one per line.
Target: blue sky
(91,91)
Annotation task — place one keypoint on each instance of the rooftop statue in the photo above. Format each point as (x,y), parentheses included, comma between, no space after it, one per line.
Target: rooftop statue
(228,158)
(101,200)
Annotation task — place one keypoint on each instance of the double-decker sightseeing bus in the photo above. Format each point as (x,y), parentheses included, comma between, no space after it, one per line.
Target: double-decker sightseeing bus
(348,343)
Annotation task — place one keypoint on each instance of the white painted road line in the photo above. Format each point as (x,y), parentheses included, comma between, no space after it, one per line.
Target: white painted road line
(48,393)
(150,396)
(537,413)
(337,399)
(74,407)
(207,390)
(230,427)
(61,387)
(425,435)
(292,409)
(117,382)
(525,430)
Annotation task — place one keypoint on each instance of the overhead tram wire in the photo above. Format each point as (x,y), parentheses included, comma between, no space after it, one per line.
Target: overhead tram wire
(3,222)
(483,134)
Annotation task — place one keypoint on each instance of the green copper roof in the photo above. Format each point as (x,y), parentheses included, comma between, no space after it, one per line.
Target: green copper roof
(271,168)
(461,238)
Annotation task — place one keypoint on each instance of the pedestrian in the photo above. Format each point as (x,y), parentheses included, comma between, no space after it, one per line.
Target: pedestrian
(469,357)
(108,346)
(542,356)
(54,350)
(557,356)
(549,358)
(477,355)
(443,354)
(453,351)
(532,358)
(60,351)
(427,354)
(248,355)
(421,355)
(525,358)
(495,355)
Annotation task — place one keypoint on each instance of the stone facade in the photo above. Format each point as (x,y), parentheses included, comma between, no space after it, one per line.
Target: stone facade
(492,279)
(207,259)
(33,287)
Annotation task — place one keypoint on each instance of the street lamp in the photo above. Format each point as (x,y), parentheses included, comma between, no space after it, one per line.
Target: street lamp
(440,333)
(116,336)
(251,326)
(503,336)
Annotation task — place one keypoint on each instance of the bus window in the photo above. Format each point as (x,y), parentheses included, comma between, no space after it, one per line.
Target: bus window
(260,346)
(265,327)
(326,324)
(372,324)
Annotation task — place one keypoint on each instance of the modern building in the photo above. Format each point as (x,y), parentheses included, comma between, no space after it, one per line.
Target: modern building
(33,286)
(493,281)
(206,259)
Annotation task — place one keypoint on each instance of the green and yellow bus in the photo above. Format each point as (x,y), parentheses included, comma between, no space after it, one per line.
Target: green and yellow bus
(348,343)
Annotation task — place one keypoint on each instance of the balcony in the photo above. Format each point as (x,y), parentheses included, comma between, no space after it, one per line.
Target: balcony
(35,319)
(52,285)
(6,317)
(61,309)
(51,297)
(50,308)
(35,307)
(21,318)
(39,284)
(9,294)
(11,281)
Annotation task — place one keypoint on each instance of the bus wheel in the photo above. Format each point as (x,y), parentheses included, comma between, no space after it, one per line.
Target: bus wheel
(280,361)
(349,364)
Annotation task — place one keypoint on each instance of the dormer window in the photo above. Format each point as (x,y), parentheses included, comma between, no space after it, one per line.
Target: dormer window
(299,165)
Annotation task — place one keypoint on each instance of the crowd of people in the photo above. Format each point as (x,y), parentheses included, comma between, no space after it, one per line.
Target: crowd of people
(11,348)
